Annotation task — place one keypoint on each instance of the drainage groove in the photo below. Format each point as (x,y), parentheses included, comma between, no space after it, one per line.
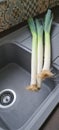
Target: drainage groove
(7,98)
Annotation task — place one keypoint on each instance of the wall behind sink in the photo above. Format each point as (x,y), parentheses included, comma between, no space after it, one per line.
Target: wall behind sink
(13,12)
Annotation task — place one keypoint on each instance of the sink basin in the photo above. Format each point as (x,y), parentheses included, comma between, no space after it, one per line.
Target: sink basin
(27,111)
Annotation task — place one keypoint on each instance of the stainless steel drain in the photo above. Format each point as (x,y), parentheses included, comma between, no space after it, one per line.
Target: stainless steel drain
(7,98)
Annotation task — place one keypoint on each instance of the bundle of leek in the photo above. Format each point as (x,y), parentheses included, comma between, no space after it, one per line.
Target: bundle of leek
(46,73)
(38,73)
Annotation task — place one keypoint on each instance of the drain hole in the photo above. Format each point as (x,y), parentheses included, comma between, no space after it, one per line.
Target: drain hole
(7,98)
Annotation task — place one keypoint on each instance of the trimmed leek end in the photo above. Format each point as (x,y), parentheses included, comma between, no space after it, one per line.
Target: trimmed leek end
(32,88)
(48,21)
(45,74)
(32,25)
(39,27)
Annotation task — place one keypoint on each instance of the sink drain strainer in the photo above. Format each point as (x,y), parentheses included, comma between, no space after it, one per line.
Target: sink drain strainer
(7,98)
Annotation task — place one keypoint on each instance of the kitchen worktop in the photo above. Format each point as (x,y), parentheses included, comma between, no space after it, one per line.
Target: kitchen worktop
(52,123)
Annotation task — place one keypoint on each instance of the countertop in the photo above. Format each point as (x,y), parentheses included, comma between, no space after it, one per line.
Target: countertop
(52,123)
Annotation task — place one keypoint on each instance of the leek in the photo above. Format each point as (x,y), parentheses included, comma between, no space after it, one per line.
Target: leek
(33,84)
(39,51)
(46,73)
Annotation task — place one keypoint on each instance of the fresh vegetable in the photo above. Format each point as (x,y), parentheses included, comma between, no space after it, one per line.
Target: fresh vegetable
(47,54)
(33,84)
(40,71)
(39,27)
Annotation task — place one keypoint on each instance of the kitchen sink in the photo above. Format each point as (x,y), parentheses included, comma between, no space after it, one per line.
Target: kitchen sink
(21,109)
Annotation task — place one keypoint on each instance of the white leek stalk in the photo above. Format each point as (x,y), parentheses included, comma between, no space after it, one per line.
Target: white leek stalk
(33,84)
(46,73)
(39,51)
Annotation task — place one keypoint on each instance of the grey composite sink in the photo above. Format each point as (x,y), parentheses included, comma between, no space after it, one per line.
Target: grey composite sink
(30,109)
